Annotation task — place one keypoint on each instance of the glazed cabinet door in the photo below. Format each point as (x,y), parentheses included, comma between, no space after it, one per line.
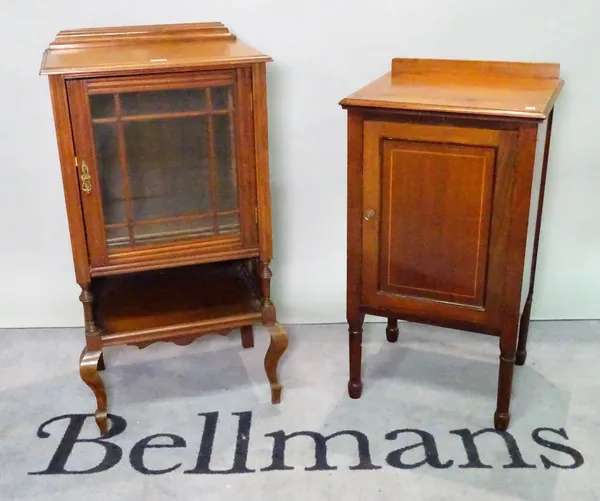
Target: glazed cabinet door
(162,164)
(433,198)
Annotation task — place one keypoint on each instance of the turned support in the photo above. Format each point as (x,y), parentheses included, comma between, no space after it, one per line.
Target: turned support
(508,348)
(355,331)
(92,333)
(268,309)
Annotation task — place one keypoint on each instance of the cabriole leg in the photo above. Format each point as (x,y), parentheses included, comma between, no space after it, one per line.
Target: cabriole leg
(88,369)
(279,338)
(92,360)
(278,345)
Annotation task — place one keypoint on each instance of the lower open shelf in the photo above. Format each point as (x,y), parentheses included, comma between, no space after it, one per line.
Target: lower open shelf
(162,304)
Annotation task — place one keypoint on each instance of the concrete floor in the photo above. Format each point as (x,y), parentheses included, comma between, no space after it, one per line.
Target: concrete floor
(435,388)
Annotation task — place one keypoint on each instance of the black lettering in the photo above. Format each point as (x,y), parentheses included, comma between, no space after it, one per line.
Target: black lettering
(576,455)
(280,440)
(112,452)
(208,440)
(136,456)
(468,439)
(432,457)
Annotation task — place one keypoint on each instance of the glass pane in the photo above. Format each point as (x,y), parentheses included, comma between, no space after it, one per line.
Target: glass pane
(226,174)
(168,163)
(176,229)
(108,165)
(117,237)
(228,223)
(219,98)
(181,178)
(163,101)
(102,105)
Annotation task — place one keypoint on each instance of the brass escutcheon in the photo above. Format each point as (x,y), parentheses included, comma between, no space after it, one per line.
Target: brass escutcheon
(86,183)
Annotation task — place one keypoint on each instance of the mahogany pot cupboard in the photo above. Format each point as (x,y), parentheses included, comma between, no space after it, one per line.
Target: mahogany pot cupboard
(162,137)
(446,171)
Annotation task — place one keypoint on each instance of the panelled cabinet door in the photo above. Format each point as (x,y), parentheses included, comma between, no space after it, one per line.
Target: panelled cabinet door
(428,230)
(160,163)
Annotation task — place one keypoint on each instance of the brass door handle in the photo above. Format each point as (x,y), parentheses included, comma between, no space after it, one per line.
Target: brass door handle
(86,179)
(369,214)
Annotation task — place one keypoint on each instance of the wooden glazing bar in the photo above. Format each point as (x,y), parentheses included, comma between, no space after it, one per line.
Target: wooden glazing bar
(230,115)
(209,242)
(140,84)
(212,163)
(172,219)
(124,170)
(158,116)
(162,235)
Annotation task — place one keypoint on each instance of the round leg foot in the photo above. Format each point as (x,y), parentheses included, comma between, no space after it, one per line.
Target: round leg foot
(391,331)
(392,334)
(501,421)
(247,337)
(102,422)
(354,388)
(521,357)
(276,393)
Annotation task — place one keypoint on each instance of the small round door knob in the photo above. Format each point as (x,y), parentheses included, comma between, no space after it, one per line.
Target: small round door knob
(369,214)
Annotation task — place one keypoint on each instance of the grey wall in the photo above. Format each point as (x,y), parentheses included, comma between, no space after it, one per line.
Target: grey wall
(323,50)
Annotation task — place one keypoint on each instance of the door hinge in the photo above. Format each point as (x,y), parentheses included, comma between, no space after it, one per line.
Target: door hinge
(256,215)
(76,164)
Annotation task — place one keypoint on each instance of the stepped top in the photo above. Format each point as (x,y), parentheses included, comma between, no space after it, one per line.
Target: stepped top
(129,48)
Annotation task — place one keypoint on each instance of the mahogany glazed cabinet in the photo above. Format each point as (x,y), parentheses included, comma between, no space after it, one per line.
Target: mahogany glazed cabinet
(162,136)
(446,170)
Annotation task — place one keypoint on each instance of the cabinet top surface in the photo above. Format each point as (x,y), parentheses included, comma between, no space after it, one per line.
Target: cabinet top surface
(519,90)
(126,48)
